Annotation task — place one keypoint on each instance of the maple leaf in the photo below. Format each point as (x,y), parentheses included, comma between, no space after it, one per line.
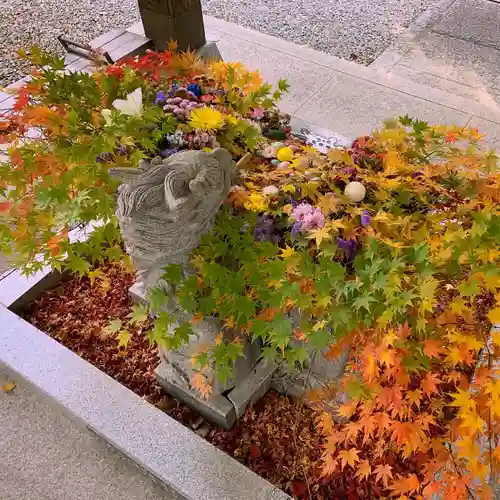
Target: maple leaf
(383,473)
(348,457)
(430,383)
(114,326)
(329,465)
(287,252)
(328,203)
(494,316)
(9,387)
(463,400)
(472,422)
(320,235)
(404,485)
(199,382)
(123,339)
(326,423)
(139,314)
(363,470)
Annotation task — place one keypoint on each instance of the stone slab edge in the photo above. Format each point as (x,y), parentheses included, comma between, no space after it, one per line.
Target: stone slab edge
(366,73)
(186,465)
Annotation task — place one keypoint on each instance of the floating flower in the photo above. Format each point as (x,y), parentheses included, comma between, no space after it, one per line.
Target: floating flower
(349,247)
(301,211)
(355,191)
(205,118)
(269,152)
(132,105)
(258,113)
(270,190)
(265,229)
(283,165)
(285,154)
(366,218)
(313,220)
(106,114)
(165,153)
(160,97)
(296,228)
(256,202)
(195,89)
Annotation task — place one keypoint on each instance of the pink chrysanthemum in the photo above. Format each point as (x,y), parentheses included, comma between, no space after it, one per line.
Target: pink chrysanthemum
(313,220)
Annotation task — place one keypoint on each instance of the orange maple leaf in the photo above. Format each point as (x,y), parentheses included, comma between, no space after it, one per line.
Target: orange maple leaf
(329,465)
(430,383)
(405,485)
(348,457)
(364,470)
(383,473)
(433,348)
(199,382)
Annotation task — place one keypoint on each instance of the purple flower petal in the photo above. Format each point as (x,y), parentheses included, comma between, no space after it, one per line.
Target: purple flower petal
(366,218)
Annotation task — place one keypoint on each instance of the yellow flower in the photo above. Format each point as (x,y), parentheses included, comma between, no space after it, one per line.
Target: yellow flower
(256,202)
(208,119)
(288,188)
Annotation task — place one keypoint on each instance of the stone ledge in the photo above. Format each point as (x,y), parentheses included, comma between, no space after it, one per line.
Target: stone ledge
(186,465)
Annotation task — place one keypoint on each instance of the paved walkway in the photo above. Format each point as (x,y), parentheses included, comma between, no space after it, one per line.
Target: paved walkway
(455,48)
(45,456)
(343,96)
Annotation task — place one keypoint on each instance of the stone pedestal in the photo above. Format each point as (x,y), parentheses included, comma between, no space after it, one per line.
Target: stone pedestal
(228,402)
(178,20)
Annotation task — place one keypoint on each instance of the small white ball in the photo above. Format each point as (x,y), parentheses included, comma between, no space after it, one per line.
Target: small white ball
(355,191)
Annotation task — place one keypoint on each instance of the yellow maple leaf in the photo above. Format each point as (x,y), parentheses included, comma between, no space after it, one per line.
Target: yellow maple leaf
(472,422)
(463,400)
(320,235)
(494,316)
(348,457)
(287,252)
(9,387)
(123,338)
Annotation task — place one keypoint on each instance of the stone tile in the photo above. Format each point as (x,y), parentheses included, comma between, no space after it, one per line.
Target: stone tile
(457,60)
(305,77)
(491,131)
(354,107)
(483,97)
(474,20)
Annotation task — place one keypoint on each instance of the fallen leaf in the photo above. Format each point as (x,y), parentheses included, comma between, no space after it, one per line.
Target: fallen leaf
(9,387)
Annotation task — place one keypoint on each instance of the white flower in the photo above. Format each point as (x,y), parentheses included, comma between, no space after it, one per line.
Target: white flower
(355,191)
(106,114)
(270,190)
(132,105)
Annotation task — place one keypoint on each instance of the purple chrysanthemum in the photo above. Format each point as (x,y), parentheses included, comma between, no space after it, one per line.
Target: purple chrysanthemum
(296,229)
(160,97)
(366,218)
(349,247)
(265,230)
(164,153)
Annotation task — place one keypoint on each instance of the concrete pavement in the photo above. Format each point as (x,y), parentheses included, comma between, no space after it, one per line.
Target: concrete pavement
(46,456)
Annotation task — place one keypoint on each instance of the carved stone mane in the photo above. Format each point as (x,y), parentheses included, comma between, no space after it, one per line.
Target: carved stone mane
(165,206)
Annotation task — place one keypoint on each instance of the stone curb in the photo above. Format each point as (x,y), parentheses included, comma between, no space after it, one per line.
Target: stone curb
(189,467)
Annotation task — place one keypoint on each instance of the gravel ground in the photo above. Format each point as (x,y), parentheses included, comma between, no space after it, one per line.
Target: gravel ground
(358,30)
(27,22)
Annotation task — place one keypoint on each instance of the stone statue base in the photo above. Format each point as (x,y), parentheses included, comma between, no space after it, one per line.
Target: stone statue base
(251,381)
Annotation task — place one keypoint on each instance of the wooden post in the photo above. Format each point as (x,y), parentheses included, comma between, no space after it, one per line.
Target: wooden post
(179,20)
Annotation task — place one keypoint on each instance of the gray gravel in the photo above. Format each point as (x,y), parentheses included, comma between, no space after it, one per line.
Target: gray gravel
(351,29)
(27,22)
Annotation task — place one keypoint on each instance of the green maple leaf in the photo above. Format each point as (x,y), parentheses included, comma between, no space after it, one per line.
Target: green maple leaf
(173,274)
(114,326)
(139,314)
(364,302)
